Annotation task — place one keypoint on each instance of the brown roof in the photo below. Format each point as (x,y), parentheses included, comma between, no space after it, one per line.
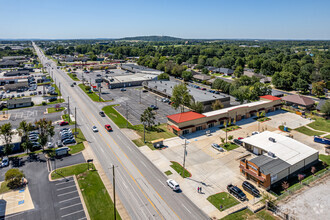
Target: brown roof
(299,100)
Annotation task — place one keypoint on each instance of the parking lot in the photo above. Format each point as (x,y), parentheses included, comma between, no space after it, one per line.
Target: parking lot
(134,101)
(67,202)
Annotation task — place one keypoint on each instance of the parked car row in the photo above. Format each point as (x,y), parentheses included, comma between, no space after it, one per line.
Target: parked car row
(66,136)
(238,193)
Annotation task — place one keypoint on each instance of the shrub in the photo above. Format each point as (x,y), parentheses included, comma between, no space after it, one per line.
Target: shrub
(87,88)
(14,177)
(44,103)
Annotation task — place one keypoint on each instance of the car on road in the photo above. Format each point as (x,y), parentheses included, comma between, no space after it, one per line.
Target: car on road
(154,107)
(217,147)
(34,138)
(5,162)
(72,85)
(255,132)
(122,89)
(108,127)
(63,123)
(102,114)
(95,129)
(250,189)
(173,184)
(144,90)
(237,192)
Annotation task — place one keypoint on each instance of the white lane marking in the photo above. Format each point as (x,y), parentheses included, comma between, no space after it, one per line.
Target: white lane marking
(70,206)
(143,164)
(82,218)
(65,187)
(72,213)
(161,182)
(63,194)
(62,183)
(186,208)
(68,199)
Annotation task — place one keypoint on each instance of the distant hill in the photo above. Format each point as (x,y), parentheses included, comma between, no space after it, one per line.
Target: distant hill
(151,38)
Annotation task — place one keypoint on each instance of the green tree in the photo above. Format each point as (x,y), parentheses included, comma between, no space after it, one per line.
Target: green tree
(197,107)
(7,133)
(325,73)
(163,76)
(217,104)
(301,85)
(326,108)
(283,80)
(239,71)
(148,117)
(23,130)
(46,130)
(180,96)
(318,88)
(230,137)
(14,178)
(186,75)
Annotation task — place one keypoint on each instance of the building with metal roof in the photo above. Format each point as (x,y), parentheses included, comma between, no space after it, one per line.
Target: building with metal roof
(278,157)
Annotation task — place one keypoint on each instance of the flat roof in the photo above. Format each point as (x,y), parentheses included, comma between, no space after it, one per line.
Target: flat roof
(225,110)
(269,165)
(132,78)
(285,148)
(166,87)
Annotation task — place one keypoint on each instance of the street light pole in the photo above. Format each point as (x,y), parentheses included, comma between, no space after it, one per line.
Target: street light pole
(184,157)
(114,192)
(75,121)
(69,107)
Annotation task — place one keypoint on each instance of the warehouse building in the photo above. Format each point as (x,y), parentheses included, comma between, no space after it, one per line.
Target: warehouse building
(165,88)
(279,157)
(189,122)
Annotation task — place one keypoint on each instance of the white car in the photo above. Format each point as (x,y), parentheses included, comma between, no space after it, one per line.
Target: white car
(5,162)
(95,129)
(255,132)
(173,185)
(50,144)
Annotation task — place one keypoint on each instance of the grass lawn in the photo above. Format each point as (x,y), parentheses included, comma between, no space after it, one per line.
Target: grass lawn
(4,188)
(222,199)
(231,128)
(53,110)
(74,78)
(65,117)
(320,124)
(80,145)
(178,168)
(308,131)
(263,119)
(53,102)
(157,132)
(328,136)
(92,95)
(325,158)
(56,89)
(168,173)
(247,214)
(229,146)
(117,118)
(95,195)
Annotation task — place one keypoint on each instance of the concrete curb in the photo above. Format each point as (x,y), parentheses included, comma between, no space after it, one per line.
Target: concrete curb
(81,197)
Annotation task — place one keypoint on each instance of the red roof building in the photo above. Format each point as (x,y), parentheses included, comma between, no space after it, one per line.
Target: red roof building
(270,97)
(185,116)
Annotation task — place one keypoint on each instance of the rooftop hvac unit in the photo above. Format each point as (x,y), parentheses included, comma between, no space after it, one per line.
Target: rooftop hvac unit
(272,139)
(271,154)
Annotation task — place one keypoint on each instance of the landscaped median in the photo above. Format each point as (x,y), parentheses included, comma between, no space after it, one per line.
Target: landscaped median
(65,117)
(53,110)
(80,142)
(92,95)
(157,132)
(73,76)
(231,128)
(96,197)
(222,201)
(178,168)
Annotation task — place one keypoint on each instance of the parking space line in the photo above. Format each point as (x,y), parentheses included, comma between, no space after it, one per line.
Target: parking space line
(65,187)
(72,213)
(62,183)
(68,199)
(70,206)
(83,218)
(63,194)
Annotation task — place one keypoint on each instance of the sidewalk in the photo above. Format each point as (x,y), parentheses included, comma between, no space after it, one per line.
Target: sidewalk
(322,135)
(89,154)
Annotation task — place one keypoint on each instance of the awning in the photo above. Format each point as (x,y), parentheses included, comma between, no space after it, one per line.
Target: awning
(253,111)
(223,118)
(261,109)
(190,126)
(252,173)
(175,128)
(212,121)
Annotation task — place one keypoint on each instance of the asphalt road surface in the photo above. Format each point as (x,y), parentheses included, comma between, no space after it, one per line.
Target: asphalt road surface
(140,186)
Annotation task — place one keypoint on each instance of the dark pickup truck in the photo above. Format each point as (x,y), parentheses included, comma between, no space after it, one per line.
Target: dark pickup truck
(237,192)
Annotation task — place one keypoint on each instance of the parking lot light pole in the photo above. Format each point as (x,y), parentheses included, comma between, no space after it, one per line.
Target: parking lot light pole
(69,107)
(184,157)
(75,121)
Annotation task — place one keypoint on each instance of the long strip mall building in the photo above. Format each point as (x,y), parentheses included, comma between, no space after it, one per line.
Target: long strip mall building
(189,122)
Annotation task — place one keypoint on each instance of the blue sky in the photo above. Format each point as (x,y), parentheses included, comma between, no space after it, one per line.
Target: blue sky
(220,19)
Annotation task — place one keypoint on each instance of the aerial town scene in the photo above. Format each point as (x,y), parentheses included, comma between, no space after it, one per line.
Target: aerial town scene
(170,110)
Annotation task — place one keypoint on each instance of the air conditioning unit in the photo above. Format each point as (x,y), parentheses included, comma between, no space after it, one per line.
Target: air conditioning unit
(272,139)
(271,154)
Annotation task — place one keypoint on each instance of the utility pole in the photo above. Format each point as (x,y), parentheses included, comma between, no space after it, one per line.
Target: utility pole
(100,92)
(69,107)
(75,121)
(59,89)
(114,191)
(140,96)
(184,157)
(126,115)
